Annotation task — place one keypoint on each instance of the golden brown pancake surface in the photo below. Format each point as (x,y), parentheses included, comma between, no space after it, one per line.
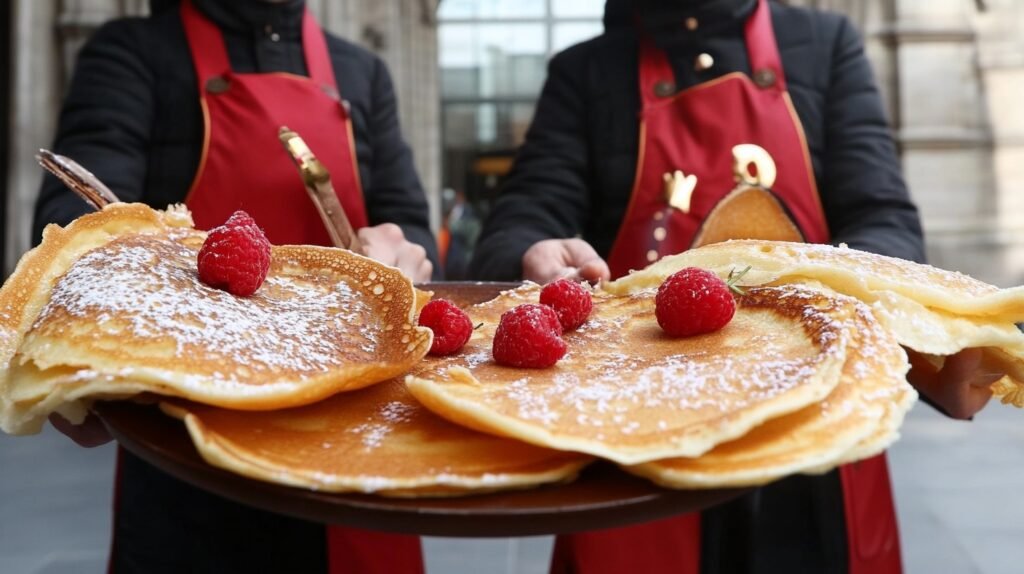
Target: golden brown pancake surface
(132,307)
(858,419)
(628,392)
(377,439)
(930,310)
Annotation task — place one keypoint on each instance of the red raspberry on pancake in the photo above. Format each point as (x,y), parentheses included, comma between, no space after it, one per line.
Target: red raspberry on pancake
(530,336)
(694,301)
(235,256)
(451,326)
(570,300)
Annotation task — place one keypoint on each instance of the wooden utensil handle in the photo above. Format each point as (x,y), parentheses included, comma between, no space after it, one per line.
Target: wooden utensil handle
(318,185)
(77,178)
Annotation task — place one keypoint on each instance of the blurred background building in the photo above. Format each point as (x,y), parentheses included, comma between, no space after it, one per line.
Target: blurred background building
(467,73)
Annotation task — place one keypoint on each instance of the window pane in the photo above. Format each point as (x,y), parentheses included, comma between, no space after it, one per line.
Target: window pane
(570,33)
(460,126)
(574,8)
(491,9)
(492,60)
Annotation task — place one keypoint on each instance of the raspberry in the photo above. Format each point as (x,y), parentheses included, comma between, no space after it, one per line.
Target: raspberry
(235,256)
(570,300)
(693,301)
(530,336)
(451,326)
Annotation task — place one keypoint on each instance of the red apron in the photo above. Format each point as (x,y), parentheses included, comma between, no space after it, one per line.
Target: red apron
(243,166)
(693,131)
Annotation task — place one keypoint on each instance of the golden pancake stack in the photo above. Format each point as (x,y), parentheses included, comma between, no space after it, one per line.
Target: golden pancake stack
(320,379)
(111,306)
(930,310)
(800,380)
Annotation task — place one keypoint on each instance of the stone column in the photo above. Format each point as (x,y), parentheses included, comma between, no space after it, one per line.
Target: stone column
(944,133)
(47,36)
(1001,62)
(35,83)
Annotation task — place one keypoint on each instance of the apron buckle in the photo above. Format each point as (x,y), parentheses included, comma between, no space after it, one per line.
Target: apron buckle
(217,85)
(664,88)
(764,78)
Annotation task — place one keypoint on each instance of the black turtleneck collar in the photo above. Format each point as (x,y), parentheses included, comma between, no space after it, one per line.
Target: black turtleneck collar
(660,17)
(256,16)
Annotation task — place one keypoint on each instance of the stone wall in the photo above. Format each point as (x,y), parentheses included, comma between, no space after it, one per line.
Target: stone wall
(951,72)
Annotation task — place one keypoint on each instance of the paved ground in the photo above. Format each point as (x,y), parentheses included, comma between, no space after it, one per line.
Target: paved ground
(957,484)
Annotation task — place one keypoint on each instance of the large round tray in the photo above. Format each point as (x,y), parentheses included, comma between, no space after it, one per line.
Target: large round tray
(602,497)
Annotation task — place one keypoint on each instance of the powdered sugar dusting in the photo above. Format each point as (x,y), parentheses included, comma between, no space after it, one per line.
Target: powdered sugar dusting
(382,423)
(146,289)
(625,378)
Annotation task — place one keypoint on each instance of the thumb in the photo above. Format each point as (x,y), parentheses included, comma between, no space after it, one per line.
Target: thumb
(581,255)
(595,270)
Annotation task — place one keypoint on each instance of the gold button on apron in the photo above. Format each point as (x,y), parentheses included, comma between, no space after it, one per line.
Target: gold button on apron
(703,62)
(691,23)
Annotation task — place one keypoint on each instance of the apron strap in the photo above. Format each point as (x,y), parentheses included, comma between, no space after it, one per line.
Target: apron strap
(209,55)
(318,59)
(657,79)
(762,50)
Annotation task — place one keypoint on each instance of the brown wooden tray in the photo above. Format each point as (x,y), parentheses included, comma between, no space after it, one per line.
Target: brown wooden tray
(602,497)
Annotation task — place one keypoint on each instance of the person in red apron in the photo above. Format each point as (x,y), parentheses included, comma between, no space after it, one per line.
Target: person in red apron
(704,77)
(185,106)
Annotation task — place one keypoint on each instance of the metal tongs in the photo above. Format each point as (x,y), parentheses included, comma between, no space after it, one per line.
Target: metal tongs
(318,185)
(77,178)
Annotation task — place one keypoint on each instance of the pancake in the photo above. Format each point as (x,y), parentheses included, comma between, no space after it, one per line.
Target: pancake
(377,439)
(112,305)
(929,310)
(627,392)
(849,271)
(748,213)
(860,418)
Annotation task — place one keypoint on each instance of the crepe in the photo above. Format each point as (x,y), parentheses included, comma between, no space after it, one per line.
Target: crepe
(112,305)
(627,392)
(849,271)
(377,439)
(930,310)
(859,419)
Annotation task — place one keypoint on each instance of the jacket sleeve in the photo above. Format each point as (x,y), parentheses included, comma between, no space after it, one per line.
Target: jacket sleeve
(863,193)
(104,123)
(395,194)
(547,193)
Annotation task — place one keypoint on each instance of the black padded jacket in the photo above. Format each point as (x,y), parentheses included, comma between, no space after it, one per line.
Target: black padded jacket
(573,175)
(132,115)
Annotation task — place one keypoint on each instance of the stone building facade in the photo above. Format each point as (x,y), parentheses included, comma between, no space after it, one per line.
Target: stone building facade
(951,73)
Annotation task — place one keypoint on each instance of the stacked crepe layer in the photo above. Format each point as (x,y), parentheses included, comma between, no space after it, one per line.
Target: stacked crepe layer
(111,307)
(800,381)
(932,311)
(118,297)
(378,439)
(301,384)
